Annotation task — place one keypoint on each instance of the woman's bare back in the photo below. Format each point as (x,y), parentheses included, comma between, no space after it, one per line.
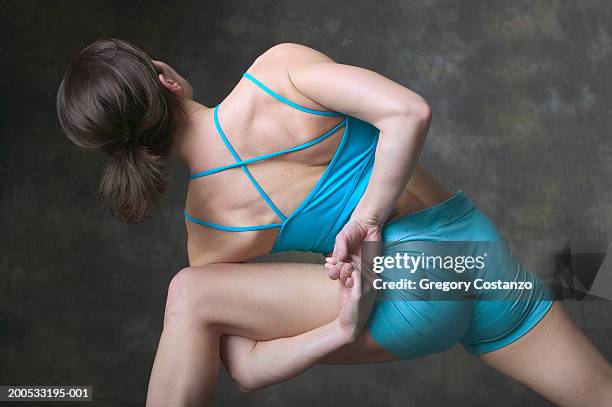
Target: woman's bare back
(255,124)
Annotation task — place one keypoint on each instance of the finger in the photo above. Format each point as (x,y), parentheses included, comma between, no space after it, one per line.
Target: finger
(333,274)
(331,260)
(334,271)
(356,277)
(341,247)
(349,282)
(345,272)
(330,272)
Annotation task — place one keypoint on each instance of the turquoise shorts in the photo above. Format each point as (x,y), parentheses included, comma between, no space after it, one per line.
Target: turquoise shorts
(413,323)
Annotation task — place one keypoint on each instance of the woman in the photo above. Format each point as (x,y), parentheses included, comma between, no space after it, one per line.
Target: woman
(276,166)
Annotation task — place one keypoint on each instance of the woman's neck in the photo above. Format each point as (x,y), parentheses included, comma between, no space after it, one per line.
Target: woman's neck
(183,143)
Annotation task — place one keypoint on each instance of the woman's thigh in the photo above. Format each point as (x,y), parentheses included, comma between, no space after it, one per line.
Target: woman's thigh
(260,301)
(266,301)
(558,361)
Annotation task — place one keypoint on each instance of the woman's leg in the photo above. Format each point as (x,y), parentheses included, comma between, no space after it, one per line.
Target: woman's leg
(558,361)
(268,301)
(555,359)
(262,301)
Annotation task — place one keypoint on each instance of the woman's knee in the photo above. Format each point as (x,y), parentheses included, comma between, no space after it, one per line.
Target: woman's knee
(191,294)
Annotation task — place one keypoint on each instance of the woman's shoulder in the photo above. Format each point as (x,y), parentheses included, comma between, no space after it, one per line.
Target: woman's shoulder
(289,54)
(273,67)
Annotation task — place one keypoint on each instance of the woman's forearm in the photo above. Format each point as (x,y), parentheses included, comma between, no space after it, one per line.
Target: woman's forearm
(257,364)
(399,145)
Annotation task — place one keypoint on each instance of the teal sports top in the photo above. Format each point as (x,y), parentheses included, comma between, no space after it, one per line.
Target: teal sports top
(313,225)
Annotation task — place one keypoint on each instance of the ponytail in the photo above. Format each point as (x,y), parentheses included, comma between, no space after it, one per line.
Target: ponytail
(132,182)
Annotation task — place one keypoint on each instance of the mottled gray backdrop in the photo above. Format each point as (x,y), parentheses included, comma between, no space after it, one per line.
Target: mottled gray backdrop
(522,102)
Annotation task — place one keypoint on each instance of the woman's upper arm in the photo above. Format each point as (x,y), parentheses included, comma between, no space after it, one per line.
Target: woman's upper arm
(356,91)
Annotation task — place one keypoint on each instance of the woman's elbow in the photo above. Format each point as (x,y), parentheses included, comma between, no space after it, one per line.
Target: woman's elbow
(418,111)
(409,112)
(244,381)
(249,386)
(243,384)
(413,119)
(244,389)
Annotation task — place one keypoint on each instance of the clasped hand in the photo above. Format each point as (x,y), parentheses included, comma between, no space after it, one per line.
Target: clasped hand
(347,265)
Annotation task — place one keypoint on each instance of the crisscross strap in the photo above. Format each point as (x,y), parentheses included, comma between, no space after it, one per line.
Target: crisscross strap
(269,155)
(243,163)
(244,167)
(287,101)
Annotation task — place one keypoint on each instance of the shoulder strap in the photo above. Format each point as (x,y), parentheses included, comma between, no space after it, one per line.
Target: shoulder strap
(287,101)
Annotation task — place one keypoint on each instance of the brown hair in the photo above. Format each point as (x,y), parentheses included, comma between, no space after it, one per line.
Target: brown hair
(110,100)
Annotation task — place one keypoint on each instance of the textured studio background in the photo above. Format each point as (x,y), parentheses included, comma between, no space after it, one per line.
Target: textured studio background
(522,102)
